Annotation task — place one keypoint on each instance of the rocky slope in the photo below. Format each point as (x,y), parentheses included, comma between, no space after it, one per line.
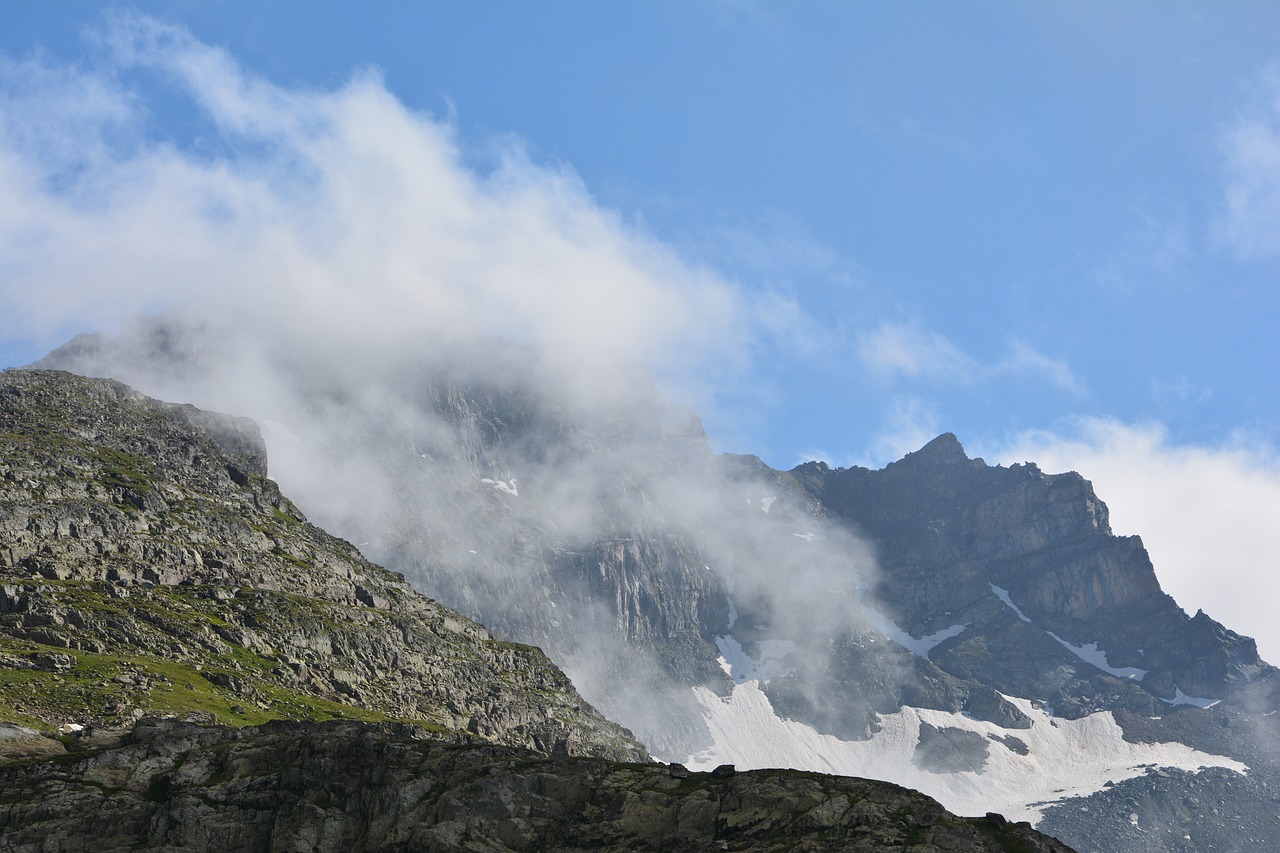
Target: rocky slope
(365,787)
(147,564)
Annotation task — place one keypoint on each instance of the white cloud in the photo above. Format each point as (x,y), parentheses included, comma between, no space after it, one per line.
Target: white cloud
(1208,515)
(1249,223)
(906,350)
(1023,360)
(339,217)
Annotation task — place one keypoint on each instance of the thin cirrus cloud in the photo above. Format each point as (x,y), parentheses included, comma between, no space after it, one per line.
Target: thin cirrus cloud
(906,351)
(338,215)
(1249,218)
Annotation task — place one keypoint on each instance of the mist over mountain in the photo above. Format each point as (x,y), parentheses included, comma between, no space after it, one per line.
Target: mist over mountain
(975,632)
(187,663)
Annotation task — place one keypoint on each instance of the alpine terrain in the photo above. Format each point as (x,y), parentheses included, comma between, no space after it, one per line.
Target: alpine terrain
(188,664)
(975,632)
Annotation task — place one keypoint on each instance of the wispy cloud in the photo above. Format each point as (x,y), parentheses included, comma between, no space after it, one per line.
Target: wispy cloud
(339,212)
(1249,221)
(909,424)
(1024,360)
(895,351)
(1158,249)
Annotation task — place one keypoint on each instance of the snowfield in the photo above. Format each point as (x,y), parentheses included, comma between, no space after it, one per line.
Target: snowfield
(1065,758)
(921,646)
(1091,654)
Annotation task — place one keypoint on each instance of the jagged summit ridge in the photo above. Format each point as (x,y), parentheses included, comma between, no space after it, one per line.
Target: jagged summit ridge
(1045,540)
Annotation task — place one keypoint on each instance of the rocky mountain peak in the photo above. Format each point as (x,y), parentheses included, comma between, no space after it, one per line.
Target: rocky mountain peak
(946,449)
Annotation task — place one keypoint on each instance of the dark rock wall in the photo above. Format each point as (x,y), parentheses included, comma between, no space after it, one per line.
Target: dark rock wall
(353,787)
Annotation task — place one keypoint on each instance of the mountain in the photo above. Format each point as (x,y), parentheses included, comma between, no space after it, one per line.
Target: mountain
(188,664)
(151,566)
(976,632)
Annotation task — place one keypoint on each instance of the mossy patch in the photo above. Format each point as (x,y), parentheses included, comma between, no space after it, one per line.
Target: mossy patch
(281,515)
(123,470)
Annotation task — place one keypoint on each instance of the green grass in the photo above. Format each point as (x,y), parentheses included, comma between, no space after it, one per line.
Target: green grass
(123,470)
(42,700)
(177,688)
(284,516)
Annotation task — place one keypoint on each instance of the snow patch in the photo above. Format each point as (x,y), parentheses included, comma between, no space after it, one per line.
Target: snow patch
(808,537)
(509,488)
(1003,595)
(1066,758)
(1180,698)
(920,645)
(767,503)
(1091,654)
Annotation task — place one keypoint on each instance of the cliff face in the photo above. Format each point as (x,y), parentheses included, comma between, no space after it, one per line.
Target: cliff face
(147,564)
(1027,561)
(337,787)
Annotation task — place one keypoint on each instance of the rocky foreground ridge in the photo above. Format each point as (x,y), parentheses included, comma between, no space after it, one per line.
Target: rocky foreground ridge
(148,565)
(155,586)
(361,787)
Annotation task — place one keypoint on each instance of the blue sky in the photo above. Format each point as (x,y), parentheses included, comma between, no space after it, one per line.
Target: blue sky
(1051,228)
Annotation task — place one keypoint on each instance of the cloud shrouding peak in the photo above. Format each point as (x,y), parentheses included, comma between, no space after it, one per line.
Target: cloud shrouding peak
(337,216)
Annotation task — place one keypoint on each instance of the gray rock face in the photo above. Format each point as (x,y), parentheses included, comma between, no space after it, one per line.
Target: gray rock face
(954,535)
(148,565)
(337,787)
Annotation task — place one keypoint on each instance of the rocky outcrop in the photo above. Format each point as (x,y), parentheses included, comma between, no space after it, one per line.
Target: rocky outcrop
(360,787)
(1028,563)
(148,565)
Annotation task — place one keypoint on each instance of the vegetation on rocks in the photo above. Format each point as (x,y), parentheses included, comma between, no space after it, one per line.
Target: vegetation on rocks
(149,566)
